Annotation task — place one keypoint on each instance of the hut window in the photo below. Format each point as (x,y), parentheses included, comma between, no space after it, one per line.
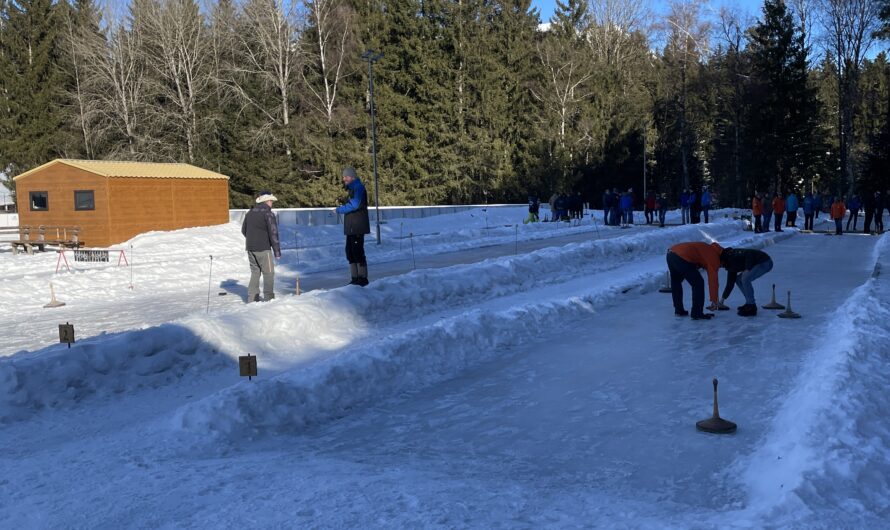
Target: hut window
(39,201)
(83,200)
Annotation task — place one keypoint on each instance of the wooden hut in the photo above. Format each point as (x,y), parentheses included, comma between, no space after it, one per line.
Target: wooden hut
(113,201)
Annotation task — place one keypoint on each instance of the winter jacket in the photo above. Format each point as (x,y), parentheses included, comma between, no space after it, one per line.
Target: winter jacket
(705,199)
(791,203)
(838,210)
(855,205)
(705,256)
(650,202)
(817,203)
(737,261)
(809,205)
(684,199)
(661,203)
(356,220)
(260,230)
(779,205)
(533,205)
(693,200)
(756,206)
(608,201)
(627,201)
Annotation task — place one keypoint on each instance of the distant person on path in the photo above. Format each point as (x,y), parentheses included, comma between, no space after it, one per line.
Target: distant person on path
(607,206)
(627,207)
(838,209)
(767,212)
(650,208)
(684,260)
(778,210)
(355,225)
(809,209)
(553,206)
(694,208)
(868,205)
(534,206)
(879,212)
(684,206)
(817,205)
(791,206)
(662,205)
(757,212)
(706,203)
(260,230)
(743,266)
(855,205)
(616,214)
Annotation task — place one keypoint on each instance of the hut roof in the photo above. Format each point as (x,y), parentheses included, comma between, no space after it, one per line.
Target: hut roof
(123,169)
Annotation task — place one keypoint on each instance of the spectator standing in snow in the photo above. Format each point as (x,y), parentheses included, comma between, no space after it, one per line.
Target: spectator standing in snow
(607,206)
(778,210)
(684,206)
(616,213)
(868,204)
(534,206)
(767,212)
(684,260)
(817,205)
(854,205)
(553,206)
(743,266)
(627,207)
(662,206)
(650,208)
(260,230)
(694,207)
(757,212)
(706,203)
(838,209)
(879,212)
(355,225)
(791,206)
(809,210)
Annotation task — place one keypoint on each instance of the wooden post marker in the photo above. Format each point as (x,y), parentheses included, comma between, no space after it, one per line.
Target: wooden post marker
(715,424)
(66,334)
(298,291)
(773,304)
(247,366)
(53,302)
(788,313)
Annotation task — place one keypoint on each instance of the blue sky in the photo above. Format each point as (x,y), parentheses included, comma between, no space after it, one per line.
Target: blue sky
(546,7)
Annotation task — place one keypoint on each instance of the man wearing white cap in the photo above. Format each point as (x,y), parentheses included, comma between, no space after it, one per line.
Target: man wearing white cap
(260,229)
(355,225)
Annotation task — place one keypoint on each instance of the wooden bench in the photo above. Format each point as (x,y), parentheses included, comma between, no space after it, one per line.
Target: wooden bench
(31,237)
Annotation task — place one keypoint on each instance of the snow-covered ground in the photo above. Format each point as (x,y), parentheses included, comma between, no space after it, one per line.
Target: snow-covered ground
(521,376)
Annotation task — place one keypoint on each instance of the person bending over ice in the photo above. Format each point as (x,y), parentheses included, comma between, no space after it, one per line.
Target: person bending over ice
(743,266)
(684,260)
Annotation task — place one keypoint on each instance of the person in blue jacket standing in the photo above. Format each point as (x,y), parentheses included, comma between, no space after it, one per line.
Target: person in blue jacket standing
(809,210)
(355,225)
(684,205)
(705,202)
(817,205)
(791,206)
(854,205)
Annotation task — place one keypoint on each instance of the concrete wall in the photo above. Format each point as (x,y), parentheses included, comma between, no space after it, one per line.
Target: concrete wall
(327,216)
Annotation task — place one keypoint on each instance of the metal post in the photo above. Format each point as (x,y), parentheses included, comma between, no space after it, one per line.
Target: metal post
(372,58)
(644,165)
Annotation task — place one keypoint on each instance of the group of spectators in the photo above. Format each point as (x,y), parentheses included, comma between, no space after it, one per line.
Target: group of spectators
(764,210)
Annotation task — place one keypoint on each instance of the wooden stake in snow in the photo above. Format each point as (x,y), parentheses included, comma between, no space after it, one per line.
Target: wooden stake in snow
(53,302)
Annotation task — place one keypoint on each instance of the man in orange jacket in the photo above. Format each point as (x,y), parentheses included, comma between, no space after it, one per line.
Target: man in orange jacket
(838,210)
(757,212)
(684,260)
(778,210)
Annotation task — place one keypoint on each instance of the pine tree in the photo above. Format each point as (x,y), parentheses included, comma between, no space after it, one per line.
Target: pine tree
(33,84)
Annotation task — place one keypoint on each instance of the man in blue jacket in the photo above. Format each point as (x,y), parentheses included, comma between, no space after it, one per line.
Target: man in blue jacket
(791,206)
(260,230)
(705,202)
(809,209)
(853,206)
(684,205)
(355,225)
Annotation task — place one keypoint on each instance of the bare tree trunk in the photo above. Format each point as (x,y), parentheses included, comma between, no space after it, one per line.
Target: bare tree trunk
(327,60)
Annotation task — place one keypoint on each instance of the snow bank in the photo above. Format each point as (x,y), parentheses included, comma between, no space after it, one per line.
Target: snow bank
(424,355)
(829,446)
(297,331)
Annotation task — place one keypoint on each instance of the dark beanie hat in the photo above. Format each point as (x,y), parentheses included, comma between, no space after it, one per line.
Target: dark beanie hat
(349,171)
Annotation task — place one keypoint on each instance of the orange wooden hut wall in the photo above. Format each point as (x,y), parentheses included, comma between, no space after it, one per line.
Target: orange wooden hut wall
(113,201)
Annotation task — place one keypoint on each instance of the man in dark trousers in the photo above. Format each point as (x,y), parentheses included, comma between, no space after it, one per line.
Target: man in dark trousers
(260,229)
(684,260)
(355,225)
(744,265)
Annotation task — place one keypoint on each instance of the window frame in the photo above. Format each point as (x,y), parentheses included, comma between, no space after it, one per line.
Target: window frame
(31,201)
(92,201)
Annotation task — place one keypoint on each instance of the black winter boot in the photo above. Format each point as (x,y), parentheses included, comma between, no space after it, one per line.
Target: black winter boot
(362,278)
(748,310)
(353,271)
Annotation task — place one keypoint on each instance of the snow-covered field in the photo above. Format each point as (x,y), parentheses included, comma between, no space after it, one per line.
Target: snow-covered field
(493,375)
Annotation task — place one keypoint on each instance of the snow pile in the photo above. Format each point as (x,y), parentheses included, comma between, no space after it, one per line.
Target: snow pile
(830,442)
(425,355)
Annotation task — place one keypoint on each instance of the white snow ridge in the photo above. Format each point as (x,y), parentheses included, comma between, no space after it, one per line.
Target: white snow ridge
(492,375)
